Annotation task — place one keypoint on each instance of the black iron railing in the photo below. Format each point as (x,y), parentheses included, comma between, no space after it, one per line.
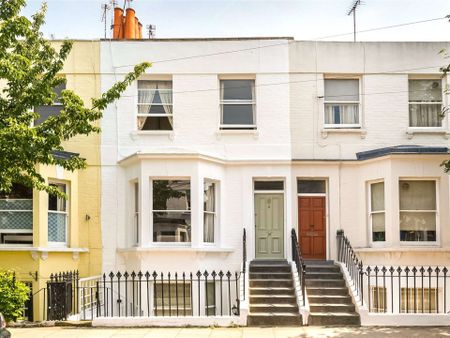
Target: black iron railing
(62,295)
(244,260)
(354,265)
(139,294)
(298,259)
(407,289)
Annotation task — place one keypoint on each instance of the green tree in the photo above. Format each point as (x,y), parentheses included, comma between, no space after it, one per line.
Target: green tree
(13,295)
(29,67)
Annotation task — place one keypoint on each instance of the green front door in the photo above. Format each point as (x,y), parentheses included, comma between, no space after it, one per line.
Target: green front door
(269,224)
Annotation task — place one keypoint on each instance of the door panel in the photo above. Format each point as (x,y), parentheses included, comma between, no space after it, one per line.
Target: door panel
(269,225)
(312,227)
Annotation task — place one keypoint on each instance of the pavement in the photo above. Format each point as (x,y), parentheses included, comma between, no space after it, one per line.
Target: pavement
(238,332)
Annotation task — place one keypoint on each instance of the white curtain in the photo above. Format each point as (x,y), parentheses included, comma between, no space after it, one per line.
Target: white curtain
(209,202)
(165,93)
(425,115)
(342,114)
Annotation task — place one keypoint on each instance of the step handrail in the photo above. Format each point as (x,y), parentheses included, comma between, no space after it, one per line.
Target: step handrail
(353,263)
(299,262)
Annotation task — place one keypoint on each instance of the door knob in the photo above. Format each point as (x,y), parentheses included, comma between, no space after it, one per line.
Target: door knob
(311,225)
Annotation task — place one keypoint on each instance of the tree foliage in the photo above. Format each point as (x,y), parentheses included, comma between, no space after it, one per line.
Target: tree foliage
(13,295)
(29,68)
(445,110)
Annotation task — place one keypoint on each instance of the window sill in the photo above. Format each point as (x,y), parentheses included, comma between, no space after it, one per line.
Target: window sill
(362,132)
(15,247)
(206,249)
(231,132)
(411,131)
(169,133)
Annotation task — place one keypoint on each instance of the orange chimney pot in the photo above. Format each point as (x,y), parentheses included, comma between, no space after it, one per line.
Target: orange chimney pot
(130,24)
(140,30)
(136,28)
(118,28)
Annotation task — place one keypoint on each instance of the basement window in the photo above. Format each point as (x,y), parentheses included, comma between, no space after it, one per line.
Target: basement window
(155,107)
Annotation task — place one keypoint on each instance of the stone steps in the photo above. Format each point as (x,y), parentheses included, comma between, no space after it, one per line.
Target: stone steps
(272,299)
(328,296)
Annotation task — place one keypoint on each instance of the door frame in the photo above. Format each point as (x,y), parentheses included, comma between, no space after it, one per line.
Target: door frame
(327,208)
(257,192)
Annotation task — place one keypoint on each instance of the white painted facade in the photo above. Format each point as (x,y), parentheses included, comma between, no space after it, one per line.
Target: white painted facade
(290,142)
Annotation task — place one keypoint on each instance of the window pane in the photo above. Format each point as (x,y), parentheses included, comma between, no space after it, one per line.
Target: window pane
(417,226)
(56,227)
(377,196)
(210,301)
(311,186)
(45,112)
(155,123)
(425,90)
(407,295)
(378,299)
(56,203)
(208,231)
(209,196)
(16,209)
(237,89)
(237,114)
(341,114)
(425,115)
(171,226)
(269,185)
(341,90)
(417,195)
(178,295)
(171,195)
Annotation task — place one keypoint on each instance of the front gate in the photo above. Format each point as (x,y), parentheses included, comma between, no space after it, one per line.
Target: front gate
(59,297)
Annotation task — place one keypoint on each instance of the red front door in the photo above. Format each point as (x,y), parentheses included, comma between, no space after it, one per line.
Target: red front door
(312,227)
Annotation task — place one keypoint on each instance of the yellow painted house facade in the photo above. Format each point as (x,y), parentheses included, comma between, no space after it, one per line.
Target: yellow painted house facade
(41,234)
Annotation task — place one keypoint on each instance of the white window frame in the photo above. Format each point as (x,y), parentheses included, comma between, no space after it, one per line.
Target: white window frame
(442,103)
(252,102)
(370,213)
(169,178)
(359,103)
(66,213)
(156,104)
(215,212)
(135,213)
(436,211)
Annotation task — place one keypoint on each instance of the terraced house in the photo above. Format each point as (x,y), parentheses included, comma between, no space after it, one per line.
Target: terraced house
(308,170)
(40,234)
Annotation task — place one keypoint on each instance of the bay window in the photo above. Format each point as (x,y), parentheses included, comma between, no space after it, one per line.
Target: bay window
(377,212)
(417,210)
(237,101)
(209,211)
(342,106)
(57,216)
(155,111)
(16,216)
(171,211)
(425,103)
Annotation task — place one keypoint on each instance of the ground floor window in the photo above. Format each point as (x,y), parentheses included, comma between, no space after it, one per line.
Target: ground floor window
(171,210)
(418,300)
(16,216)
(377,212)
(172,299)
(57,216)
(417,210)
(209,211)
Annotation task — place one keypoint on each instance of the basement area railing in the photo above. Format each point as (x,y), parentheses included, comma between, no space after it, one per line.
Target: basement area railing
(298,259)
(145,294)
(396,289)
(244,260)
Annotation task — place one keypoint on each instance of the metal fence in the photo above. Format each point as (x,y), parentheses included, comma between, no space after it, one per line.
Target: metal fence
(161,294)
(396,289)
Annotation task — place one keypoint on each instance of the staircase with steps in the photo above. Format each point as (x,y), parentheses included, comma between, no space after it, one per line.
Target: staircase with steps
(272,295)
(328,296)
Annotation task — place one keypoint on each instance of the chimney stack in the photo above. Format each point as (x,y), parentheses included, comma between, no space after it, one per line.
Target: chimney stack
(126,26)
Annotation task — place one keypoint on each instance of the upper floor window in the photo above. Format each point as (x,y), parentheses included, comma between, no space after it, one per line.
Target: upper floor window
(417,210)
(57,216)
(171,211)
(155,110)
(237,101)
(377,212)
(342,103)
(425,103)
(50,110)
(16,216)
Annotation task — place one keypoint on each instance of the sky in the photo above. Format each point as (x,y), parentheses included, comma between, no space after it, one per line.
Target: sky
(301,19)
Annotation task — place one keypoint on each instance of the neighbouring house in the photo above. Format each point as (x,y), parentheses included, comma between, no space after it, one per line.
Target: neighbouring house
(42,235)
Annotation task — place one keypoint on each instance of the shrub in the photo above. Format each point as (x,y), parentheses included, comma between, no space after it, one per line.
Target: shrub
(13,295)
